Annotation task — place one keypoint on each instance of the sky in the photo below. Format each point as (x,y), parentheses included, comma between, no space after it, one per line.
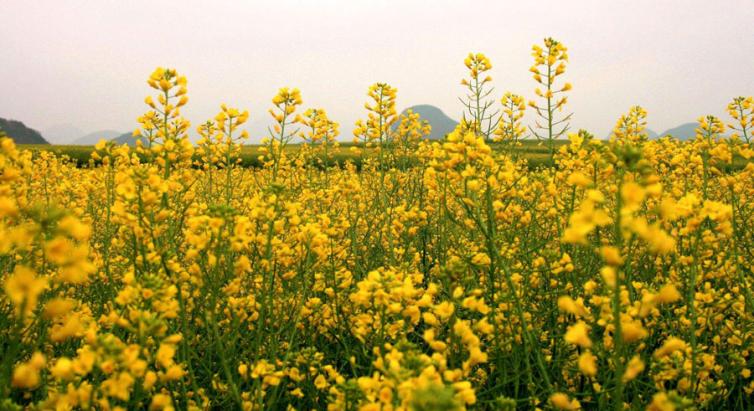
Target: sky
(85,63)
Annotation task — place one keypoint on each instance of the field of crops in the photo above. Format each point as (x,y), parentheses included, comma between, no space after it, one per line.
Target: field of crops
(411,275)
(533,151)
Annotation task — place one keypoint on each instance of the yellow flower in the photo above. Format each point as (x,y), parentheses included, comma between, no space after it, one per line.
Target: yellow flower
(567,304)
(634,367)
(444,310)
(609,275)
(561,401)
(75,228)
(150,378)
(174,372)
(70,326)
(588,364)
(476,356)
(23,288)
(84,362)
(579,179)
(661,402)
(161,402)
(670,346)
(63,369)
(58,307)
(8,207)
(578,334)
(632,330)
(667,294)
(481,259)
(320,382)
(611,255)
(58,250)
(632,195)
(26,375)
(165,355)
(119,386)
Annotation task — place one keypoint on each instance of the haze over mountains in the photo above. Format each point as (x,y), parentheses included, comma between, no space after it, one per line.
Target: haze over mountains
(686,131)
(67,134)
(94,138)
(442,124)
(62,133)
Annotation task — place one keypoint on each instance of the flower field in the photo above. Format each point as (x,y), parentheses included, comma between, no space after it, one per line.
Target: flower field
(408,275)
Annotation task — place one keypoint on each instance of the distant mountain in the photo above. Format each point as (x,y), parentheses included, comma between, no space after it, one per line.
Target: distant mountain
(440,122)
(128,138)
(685,131)
(62,133)
(94,138)
(21,134)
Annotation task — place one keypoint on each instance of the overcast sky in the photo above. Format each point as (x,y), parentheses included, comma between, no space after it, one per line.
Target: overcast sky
(85,63)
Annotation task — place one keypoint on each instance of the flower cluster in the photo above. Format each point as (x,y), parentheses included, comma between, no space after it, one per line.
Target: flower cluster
(416,275)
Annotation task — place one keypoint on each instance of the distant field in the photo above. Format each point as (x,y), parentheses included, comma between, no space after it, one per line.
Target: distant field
(532,150)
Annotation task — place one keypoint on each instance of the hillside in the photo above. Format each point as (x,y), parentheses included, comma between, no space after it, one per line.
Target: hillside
(127,138)
(93,138)
(21,134)
(440,122)
(683,132)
